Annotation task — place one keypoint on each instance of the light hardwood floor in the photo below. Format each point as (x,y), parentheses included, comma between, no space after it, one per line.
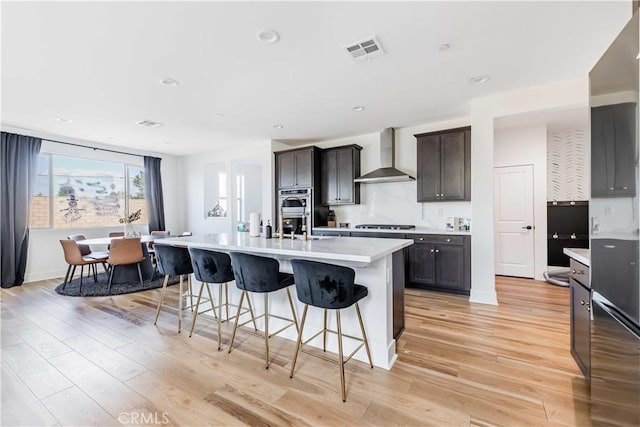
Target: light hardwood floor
(101,361)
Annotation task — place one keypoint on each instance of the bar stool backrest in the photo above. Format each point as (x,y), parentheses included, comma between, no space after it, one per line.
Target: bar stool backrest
(173,260)
(255,273)
(324,285)
(210,266)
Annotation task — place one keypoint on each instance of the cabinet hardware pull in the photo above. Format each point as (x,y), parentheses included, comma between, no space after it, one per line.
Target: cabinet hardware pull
(421,238)
(437,250)
(448,240)
(582,302)
(432,251)
(573,236)
(588,308)
(555,235)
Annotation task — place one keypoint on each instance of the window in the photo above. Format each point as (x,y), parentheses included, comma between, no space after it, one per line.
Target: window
(73,192)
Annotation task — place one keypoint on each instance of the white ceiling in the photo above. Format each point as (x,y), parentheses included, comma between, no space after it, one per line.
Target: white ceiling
(99,65)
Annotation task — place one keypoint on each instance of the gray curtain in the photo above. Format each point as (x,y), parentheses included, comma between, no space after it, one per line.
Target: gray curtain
(153,193)
(18,170)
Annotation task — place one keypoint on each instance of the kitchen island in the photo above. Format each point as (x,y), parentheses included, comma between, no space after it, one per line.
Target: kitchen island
(378,263)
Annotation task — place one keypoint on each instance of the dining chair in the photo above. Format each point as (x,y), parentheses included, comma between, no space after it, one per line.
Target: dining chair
(85,251)
(74,258)
(125,252)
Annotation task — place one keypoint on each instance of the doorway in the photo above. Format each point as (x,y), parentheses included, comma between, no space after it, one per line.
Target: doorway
(514,221)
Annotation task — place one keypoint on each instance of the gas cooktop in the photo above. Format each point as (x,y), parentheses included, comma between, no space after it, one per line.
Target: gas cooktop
(386,226)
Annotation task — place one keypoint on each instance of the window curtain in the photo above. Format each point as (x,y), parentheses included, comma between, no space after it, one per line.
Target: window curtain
(153,193)
(18,171)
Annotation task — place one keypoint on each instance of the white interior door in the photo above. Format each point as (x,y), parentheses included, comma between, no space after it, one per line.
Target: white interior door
(513,210)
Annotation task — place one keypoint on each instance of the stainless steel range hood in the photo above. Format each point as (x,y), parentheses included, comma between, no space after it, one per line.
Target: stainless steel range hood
(387,171)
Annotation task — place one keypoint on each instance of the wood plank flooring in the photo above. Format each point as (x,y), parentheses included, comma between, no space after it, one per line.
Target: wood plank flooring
(101,361)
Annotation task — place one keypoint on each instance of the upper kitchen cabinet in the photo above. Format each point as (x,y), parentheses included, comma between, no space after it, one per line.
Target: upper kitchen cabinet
(444,165)
(297,168)
(613,129)
(340,166)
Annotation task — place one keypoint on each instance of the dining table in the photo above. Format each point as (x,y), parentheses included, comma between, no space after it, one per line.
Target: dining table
(129,273)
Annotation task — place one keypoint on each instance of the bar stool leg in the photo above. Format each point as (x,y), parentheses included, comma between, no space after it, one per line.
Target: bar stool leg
(324,332)
(341,361)
(293,311)
(195,315)
(235,328)
(211,301)
(295,355)
(190,292)
(180,306)
(220,315)
(226,298)
(164,288)
(253,317)
(364,336)
(266,329)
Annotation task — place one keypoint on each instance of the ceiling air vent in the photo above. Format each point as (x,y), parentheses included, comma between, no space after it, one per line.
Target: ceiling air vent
(365,49)
(149,123)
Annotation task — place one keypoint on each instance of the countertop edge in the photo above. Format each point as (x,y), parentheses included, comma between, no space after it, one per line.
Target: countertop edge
(417,230)
(573,253)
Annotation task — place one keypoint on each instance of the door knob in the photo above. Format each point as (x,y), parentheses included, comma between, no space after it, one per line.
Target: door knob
(528,227)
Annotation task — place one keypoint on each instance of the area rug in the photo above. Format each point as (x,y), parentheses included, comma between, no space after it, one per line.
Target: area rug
(99,288)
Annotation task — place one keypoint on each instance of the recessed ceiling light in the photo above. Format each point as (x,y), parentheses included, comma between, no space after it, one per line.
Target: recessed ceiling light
(168,142)
(444,46)
(63,120)
(479,80)
(358,108)
(278,126)
(267,36)
(219,115)
(149,123)
(168,81)
(110,137)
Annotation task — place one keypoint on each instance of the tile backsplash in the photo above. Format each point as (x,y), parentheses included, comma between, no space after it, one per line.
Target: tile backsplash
(395,203)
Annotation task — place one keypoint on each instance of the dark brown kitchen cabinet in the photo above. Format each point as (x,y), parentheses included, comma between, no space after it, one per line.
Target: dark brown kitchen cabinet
(340,166)
(440,262)
(296,168)
(613,134)
(444,165)
(580,316)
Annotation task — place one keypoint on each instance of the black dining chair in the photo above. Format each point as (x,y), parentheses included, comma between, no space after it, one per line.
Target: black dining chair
(329,287)
(256,274)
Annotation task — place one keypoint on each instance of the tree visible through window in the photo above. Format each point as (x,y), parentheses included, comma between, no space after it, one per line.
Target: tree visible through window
(85,192)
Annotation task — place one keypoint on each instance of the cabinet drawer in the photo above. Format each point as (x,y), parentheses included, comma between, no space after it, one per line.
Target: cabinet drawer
(579,272)
(437,239)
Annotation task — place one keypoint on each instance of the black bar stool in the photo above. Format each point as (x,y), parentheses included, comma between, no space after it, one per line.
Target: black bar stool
(330,287)
(261,275)
(173,261)
(213,267)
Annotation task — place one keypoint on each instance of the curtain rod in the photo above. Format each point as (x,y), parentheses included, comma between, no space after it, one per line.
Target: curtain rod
(83,146)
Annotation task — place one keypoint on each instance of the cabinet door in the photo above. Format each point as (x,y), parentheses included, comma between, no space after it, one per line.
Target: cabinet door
(329,177)
(428,168)
(421,267)
(452,166)
(612,150)
(345,173)
(580,326)
(304,168)
(449,262)
(286,167)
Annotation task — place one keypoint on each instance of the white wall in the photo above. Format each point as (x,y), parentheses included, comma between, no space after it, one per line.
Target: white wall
(191,176)
(45,259)
(528,146)
(484,111)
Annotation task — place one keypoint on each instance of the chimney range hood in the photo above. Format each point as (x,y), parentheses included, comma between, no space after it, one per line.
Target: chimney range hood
(387,171)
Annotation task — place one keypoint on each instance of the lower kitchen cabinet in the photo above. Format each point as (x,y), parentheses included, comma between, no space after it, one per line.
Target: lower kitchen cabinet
(440,263)
(580,317)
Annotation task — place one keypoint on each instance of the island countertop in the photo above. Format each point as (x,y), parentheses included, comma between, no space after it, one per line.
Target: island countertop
(359,251)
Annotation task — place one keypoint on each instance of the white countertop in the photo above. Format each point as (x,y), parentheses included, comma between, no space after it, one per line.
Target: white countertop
(417,230)
(359,251)
(579,254)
